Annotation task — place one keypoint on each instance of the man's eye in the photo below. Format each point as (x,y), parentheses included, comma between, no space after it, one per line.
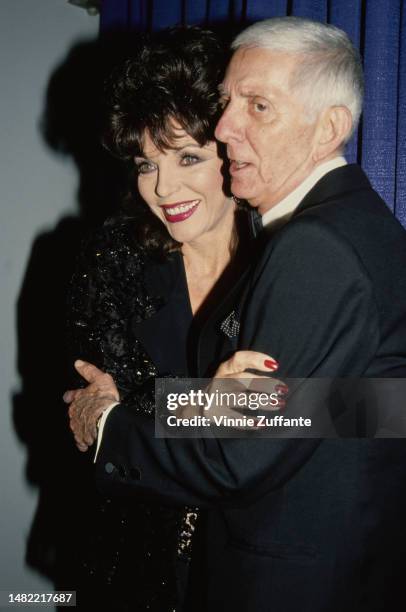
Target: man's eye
(259,107)
(144,167)
(189,160)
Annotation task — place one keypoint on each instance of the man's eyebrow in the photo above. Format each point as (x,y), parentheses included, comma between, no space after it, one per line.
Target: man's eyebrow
(252,93)
(248,93)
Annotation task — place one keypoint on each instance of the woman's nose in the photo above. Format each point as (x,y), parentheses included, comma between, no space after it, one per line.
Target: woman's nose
(167,182)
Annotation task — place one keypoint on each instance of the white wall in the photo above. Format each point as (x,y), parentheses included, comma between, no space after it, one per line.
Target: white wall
(38,187)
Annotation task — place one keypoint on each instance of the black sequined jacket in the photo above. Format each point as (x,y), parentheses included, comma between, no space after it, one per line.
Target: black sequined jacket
(131,316)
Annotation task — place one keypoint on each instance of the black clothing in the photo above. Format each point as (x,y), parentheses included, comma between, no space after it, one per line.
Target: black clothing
(131,316)
(298,524)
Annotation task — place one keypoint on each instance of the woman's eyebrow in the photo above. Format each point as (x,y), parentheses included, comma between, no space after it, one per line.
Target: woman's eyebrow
(151,156)
(186,146)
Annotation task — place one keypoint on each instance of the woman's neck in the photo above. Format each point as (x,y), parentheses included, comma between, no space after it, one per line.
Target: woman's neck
(208,255)
(208,259)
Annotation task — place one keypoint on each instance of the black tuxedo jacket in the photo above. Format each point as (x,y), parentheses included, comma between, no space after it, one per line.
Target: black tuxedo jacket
(311,525)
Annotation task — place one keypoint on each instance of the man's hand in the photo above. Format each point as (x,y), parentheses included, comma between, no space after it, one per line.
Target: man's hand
(88,404)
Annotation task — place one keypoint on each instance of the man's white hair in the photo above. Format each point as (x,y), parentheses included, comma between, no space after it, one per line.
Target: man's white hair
(329,70)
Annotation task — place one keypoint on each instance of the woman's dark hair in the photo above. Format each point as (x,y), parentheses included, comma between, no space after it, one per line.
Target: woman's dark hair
(174,76)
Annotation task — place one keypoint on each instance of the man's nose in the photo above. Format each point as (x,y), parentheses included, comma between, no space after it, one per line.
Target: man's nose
(229,127)
(166,183)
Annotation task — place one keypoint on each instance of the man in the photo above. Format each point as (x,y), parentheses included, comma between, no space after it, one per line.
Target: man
(308,525)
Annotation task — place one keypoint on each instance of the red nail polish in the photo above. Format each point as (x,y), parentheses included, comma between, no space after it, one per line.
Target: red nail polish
(271,364)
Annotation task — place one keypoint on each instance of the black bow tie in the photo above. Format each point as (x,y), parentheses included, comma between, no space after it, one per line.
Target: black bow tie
(255,222)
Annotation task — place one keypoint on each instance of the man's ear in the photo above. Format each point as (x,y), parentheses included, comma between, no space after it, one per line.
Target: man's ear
(335,124)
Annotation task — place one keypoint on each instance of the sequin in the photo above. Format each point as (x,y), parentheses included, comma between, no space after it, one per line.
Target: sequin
(133,542)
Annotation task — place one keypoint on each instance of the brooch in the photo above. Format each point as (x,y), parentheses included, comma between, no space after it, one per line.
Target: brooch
(231,325)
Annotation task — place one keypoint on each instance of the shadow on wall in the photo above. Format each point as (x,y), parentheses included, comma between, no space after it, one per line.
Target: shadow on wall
(64,527)
(70,126)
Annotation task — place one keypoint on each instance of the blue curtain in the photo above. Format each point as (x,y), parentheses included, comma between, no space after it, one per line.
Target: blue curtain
(377,27)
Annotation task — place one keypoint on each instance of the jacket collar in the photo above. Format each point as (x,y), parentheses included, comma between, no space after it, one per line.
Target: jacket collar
(283,210)
(335,184)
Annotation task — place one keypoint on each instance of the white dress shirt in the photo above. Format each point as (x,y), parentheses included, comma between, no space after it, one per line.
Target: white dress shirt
(284,209)
(100,427)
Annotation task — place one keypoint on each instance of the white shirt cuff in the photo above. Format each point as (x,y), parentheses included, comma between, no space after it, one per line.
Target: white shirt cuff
(100,427)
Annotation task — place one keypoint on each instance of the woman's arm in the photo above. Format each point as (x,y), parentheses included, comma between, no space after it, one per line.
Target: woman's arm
(106,292)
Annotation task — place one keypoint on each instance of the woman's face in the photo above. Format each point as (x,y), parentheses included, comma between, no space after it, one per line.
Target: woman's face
(183,186)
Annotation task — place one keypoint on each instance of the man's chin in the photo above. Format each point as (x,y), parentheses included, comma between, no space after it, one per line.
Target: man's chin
(241,191)
(246,195)
(256,198)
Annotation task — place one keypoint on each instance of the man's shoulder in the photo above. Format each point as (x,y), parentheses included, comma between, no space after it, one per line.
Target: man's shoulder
(354,218)
(345,198)
(306,233)
(359,235)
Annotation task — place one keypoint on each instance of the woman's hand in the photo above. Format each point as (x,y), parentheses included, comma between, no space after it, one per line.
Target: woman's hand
(88,404)
(236,366)
(232,377)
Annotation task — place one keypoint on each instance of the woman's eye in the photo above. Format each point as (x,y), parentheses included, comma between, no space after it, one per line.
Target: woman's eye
(144,167)
(189,160)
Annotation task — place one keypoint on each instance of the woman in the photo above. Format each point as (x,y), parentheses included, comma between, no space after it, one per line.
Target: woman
(145,282)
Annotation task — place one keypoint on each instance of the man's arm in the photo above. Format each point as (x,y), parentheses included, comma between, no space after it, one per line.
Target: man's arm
(312,307)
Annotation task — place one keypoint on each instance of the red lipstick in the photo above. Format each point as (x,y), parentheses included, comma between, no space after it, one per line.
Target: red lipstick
(180,210)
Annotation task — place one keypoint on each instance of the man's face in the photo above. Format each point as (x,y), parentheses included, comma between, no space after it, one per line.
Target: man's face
(269,138)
